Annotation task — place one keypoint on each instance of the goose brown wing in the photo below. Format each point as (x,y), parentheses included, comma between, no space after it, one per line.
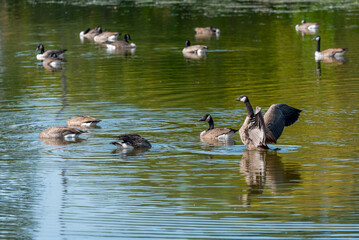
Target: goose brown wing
(216,132)
(279,116)
(332,51)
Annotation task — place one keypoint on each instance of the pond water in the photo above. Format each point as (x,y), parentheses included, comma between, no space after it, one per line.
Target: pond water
(181,188)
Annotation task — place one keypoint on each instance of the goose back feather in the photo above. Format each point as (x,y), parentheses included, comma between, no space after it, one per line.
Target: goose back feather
(223,134)
(83,121)
(61,132)
(198,49)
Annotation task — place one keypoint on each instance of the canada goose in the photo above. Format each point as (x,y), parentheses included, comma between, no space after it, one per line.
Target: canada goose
(330,52)
(45,54)
(311,26)
(52,62)
(258,130)
(222,134)
(120,44)
(106,36)
(206,30)
(61,132)
(83,121)
(130,141)
(91,33)
(198,49)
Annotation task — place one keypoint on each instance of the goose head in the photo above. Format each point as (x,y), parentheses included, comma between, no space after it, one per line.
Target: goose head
(206,117)
(188,43)
(316,38)
(242,98)
(40,47)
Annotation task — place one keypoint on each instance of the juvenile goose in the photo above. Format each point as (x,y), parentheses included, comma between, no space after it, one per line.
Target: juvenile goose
(91,33)
(258,130)
(44,54)
(222,134)
(198,49)
(83,121)
(120,44)
(330,52)
(106,36)
(311,26)
(52,62)
(130,141)
(61,132)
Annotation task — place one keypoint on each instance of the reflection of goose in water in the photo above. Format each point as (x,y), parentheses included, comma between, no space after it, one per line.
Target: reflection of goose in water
(216,134)
(334,61)
(258,130)
(263,168)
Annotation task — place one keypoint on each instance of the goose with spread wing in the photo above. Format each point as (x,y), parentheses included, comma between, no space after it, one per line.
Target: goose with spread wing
(258,130)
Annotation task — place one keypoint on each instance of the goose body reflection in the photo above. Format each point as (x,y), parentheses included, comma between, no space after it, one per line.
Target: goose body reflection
(265,168)
(258,130)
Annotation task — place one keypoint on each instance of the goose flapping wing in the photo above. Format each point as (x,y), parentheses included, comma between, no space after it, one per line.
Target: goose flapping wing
(256,129)
(279,116)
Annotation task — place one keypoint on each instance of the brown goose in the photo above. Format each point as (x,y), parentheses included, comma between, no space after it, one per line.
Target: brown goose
(106,36)
(258,130)
(305,26)
(198,49)
(61,132)
(45,54)
(91,33)
(330,52)
(206,30)
(120,44)
(130,141)
(222,134)
(83,121)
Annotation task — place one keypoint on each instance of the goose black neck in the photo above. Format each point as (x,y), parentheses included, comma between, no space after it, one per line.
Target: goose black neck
(211,124)
(318,45)
(249,108)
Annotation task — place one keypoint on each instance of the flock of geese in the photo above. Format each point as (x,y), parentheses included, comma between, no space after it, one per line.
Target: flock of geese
(257,131)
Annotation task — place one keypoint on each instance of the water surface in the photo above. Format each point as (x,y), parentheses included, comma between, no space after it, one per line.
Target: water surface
(181,188)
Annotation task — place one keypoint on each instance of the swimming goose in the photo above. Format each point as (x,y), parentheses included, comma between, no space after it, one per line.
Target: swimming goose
(198,49)
(311,26)
(120,44)
(106,36)
(61,132)
(91,33)
(258,130)
(330,52)
(222,134)
(83,121)
(52,62)
(206,30)
(130,141)
(44,54)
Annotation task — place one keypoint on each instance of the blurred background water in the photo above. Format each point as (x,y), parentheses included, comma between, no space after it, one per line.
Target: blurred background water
(181,188)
